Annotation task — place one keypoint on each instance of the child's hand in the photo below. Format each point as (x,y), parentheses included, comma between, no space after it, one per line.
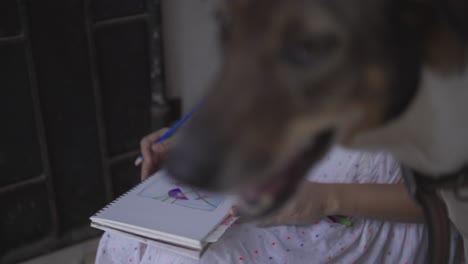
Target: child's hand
(153,154)
(310,204)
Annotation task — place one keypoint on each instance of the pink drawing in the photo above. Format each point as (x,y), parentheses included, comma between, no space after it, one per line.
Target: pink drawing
(177,194)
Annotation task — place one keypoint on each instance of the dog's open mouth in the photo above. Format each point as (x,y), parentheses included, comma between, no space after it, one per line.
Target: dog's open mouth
(264,198)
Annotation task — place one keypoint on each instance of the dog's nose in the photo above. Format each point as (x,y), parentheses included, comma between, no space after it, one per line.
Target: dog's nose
(195,164)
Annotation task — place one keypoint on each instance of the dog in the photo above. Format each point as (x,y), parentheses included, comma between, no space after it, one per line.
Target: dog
(300,76)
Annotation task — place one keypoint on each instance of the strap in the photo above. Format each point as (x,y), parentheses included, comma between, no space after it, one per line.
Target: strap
(436,216)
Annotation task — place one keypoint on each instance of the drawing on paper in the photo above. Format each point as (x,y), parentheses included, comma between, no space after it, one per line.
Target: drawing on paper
(171,192)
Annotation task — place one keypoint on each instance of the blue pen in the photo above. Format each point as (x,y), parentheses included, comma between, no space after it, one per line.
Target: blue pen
(169,133)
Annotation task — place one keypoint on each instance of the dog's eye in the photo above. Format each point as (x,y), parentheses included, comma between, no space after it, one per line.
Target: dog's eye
(310,50)
(224,27)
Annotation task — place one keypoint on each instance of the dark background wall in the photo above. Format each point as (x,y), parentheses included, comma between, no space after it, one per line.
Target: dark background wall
(81,81)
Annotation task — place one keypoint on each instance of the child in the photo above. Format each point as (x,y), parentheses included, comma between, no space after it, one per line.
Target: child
(367,241)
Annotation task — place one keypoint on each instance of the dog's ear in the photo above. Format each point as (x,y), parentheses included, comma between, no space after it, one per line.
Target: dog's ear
(455,13)
(417,15)
(238,3)
(444,40)
(443,48)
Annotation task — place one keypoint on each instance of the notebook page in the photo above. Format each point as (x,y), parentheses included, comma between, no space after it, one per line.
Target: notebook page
(165,206)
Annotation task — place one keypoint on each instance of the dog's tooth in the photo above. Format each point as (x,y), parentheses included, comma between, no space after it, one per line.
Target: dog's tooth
(247,209)
(252,208)
(266,200)
(256,206)
(250,195)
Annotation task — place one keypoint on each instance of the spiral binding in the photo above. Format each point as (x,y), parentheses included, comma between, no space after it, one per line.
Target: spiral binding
(120,197)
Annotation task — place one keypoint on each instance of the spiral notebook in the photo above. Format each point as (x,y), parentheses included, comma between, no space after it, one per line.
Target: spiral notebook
(166,213)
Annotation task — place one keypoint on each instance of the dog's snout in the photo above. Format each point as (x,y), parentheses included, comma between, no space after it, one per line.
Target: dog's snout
(194,163)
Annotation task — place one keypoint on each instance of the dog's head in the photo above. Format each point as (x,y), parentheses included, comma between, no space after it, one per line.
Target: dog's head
(297,76)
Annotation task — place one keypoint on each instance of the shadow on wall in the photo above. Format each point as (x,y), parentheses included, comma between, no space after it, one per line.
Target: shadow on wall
(190,47)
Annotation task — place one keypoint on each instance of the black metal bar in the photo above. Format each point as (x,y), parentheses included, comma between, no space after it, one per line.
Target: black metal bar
(12,39)
(159,97)
(120,20)
(40,126)
(98,100)
(21,184)
(153,23)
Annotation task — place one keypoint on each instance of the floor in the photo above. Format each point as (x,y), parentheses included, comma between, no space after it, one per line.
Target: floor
(83,253)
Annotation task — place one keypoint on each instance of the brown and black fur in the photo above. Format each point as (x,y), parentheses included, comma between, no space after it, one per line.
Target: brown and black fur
(301,75)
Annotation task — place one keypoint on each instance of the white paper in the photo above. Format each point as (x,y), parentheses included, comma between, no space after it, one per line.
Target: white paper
(161,208)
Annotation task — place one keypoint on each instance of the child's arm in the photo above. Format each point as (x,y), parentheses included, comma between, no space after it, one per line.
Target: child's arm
(316,200)
(381,201)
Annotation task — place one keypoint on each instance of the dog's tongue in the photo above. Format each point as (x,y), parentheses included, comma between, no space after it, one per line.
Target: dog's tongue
(259,198)
(263,199)
(274,186)
(271,188)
